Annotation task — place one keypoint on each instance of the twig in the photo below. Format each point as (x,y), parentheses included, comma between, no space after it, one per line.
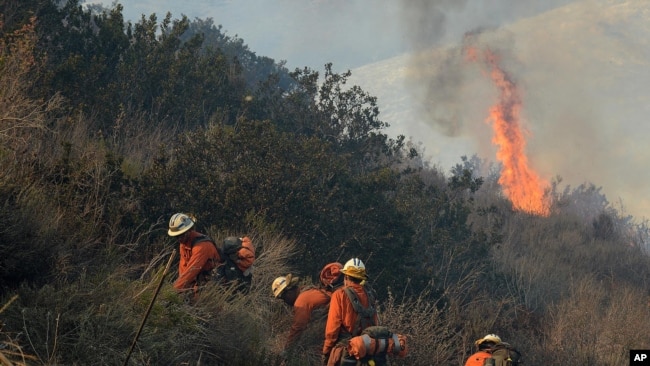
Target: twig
(8,303)
(4,360)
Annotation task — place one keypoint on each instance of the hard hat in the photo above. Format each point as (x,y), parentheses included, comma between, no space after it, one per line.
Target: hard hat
(282,283)
(355,268)
(488,338)
(330,274)
(179,223)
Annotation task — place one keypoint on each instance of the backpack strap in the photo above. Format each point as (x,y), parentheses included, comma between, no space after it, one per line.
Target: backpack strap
(365,315)
(201,238)
(205,275)
(397,347)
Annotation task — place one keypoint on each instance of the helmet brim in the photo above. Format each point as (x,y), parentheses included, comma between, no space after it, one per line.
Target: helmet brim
(354,273)
(179,232)
(289,283)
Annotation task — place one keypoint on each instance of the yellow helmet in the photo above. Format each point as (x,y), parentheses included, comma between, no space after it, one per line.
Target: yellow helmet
(355,268)
(179,223)
(488,338)
(282,283)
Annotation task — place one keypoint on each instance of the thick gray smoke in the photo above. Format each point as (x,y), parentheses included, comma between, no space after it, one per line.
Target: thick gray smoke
(582,68)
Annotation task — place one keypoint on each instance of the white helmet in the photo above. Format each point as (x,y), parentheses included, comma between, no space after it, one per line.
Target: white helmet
(488,338)
(179,223)
(282,283)
(355,268)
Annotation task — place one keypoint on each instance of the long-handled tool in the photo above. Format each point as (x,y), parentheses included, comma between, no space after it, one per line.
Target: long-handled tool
(146,315)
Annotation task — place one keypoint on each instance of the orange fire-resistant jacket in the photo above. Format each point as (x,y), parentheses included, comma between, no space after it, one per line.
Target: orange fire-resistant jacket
(477,359)
(341,316)
(307,301)
(201,257)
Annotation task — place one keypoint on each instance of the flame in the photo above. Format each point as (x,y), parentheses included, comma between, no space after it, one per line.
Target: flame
(519,182)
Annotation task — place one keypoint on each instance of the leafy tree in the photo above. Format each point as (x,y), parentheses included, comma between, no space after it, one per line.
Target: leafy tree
(255,68)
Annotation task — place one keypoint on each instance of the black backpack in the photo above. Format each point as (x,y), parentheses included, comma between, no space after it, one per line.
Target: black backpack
(503,354)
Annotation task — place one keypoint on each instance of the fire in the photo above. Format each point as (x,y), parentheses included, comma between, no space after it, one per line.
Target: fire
(519,182)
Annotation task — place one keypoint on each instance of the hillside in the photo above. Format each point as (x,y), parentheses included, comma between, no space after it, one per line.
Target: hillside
(583,69)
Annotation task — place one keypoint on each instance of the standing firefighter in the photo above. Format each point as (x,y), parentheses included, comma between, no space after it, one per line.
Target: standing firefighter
(351,311)
(198,258)
(309,303)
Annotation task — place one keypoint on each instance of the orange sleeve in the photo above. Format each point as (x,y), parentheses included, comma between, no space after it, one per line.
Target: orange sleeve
(334,320)
(306,302)
(246,254)
(202,258)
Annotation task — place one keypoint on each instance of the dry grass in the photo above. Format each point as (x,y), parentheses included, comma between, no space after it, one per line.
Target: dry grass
(11,352)
(596,325)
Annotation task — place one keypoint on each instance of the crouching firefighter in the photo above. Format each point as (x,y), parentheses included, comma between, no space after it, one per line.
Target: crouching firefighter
(310,304)
(352,309)
(198,257)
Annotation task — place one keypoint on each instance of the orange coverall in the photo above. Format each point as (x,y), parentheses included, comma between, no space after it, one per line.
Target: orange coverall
(477,359)
(203,256)
(341,315)
(306,302)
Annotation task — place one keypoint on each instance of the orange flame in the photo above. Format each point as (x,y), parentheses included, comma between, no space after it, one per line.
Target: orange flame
(520,183)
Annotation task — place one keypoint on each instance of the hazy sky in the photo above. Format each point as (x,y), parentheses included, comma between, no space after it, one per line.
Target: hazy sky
(348,33)
(583,67)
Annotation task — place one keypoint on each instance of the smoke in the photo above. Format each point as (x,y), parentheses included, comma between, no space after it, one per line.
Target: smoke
(430,25)
(581,69)
(426,20)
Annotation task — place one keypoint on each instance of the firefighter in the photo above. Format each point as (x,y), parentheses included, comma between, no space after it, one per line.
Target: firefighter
(308,302)
(198,257)
(352,309)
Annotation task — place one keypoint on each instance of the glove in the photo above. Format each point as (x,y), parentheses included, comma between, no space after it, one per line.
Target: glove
(324,359)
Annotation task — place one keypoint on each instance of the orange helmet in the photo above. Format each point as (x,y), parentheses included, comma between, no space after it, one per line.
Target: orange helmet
(331,275)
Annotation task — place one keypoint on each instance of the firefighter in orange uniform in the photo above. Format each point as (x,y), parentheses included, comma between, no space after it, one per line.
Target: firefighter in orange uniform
(482,346)
(343,321)
(197,259)
(306,300)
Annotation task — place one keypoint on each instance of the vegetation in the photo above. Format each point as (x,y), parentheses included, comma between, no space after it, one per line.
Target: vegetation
(107,128)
